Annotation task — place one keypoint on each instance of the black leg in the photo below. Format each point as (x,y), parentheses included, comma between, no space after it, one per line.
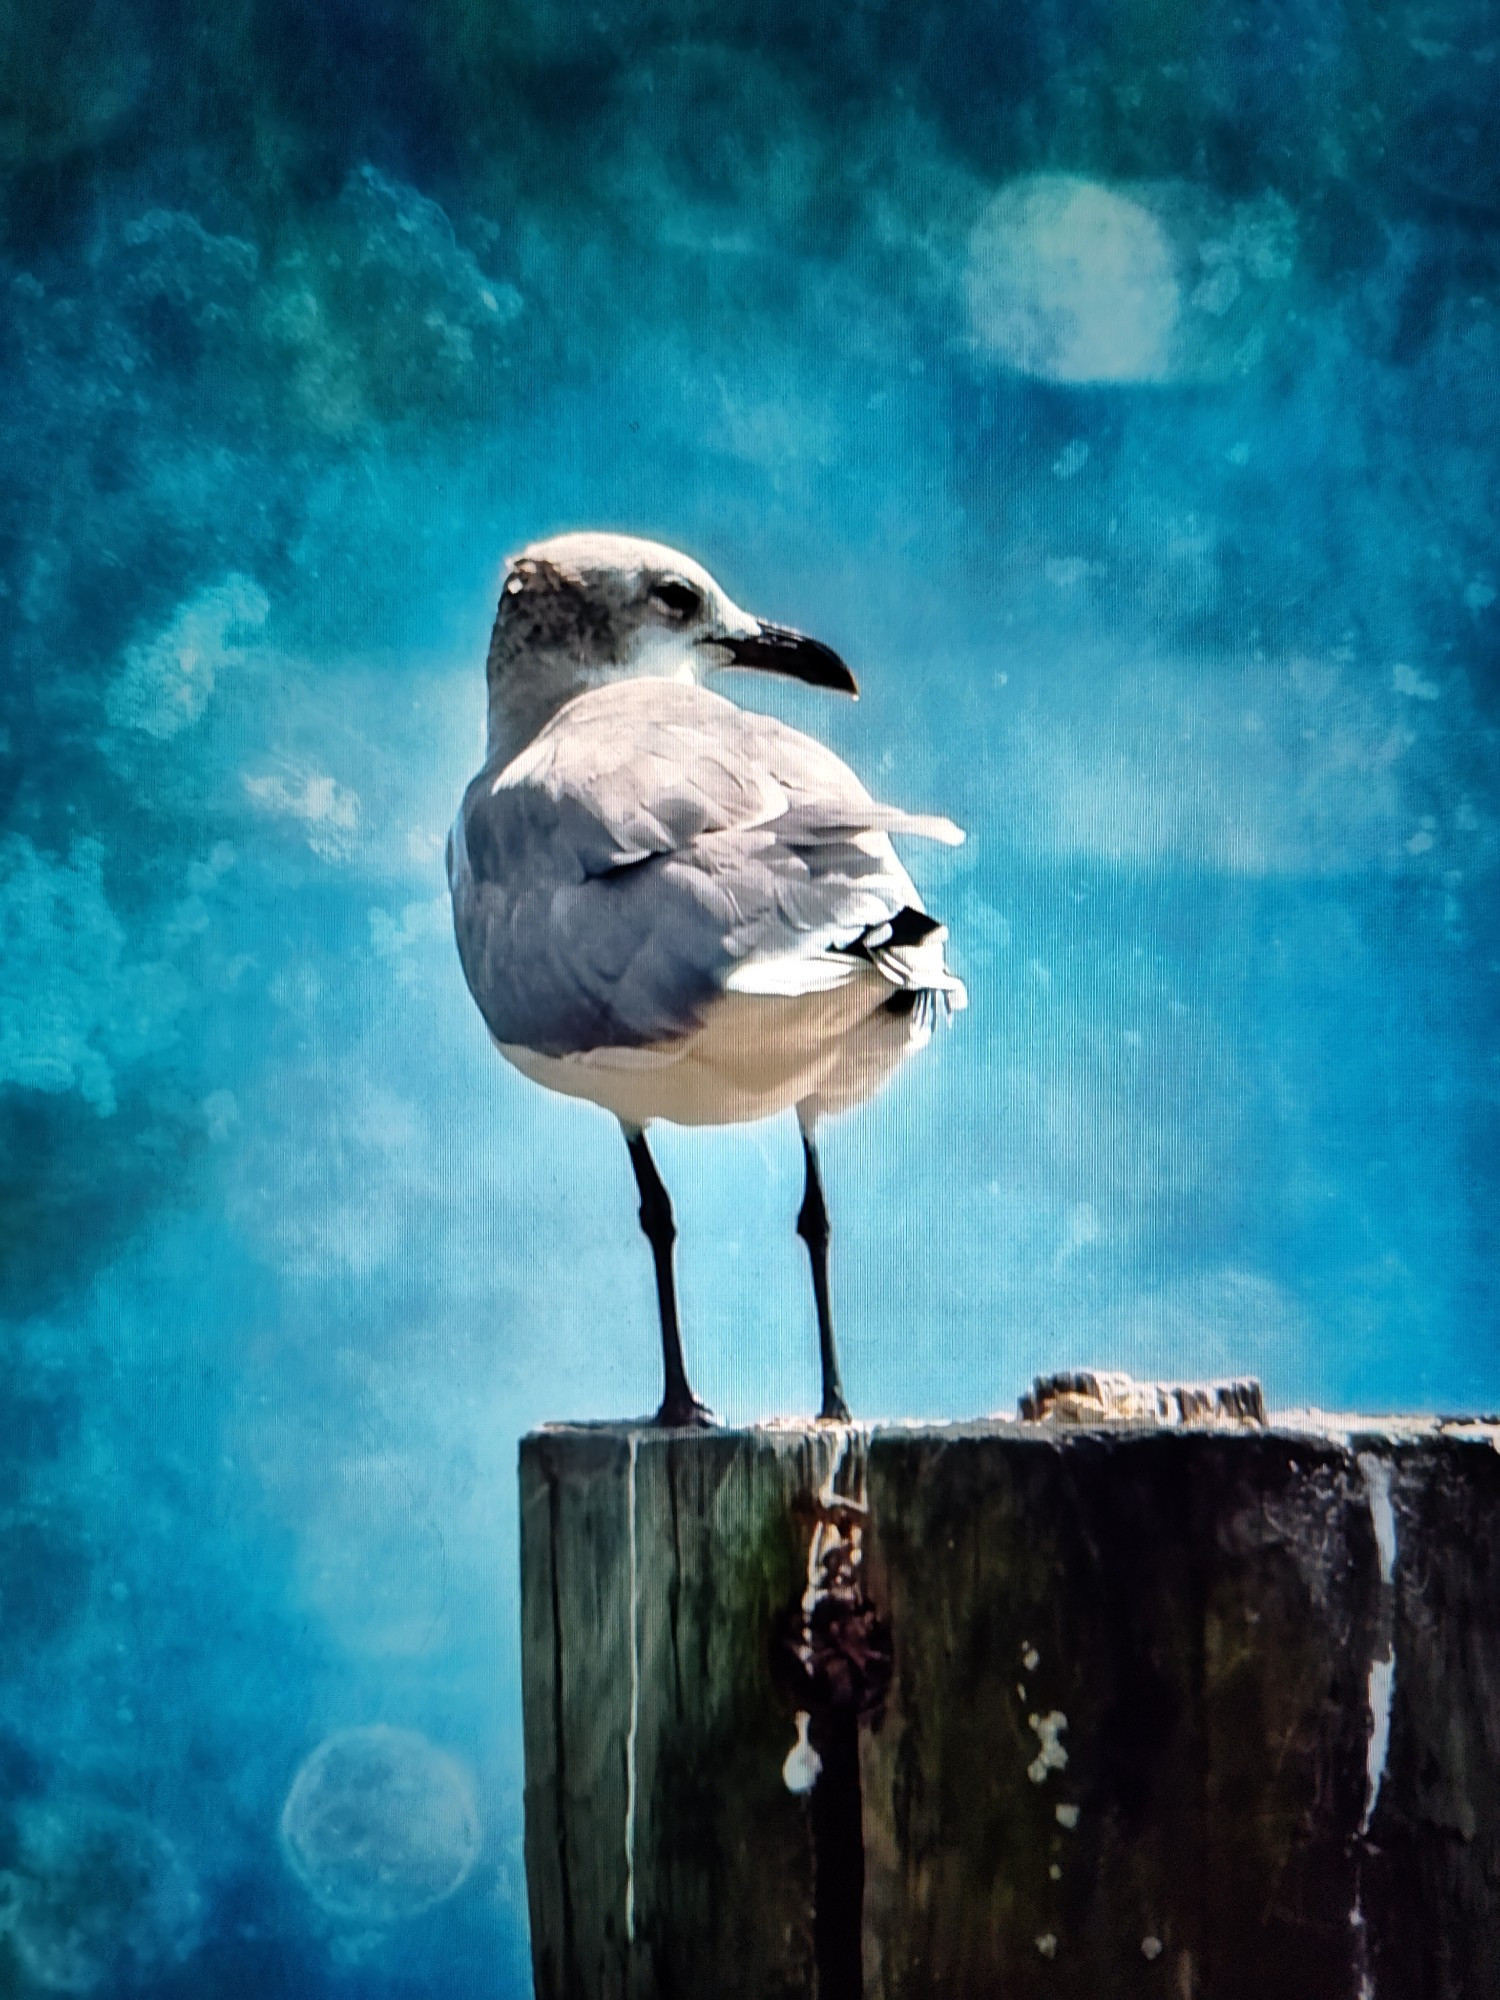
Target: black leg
(812,1227)
(678,1405)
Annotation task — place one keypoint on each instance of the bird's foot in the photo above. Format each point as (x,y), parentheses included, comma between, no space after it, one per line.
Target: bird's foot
(834,1411)
(684,1413)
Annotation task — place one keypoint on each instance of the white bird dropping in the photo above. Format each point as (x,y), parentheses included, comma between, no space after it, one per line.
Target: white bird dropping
(800,1771)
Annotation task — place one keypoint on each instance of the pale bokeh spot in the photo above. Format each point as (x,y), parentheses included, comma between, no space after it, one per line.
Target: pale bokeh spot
(1073,282)
(380,1824)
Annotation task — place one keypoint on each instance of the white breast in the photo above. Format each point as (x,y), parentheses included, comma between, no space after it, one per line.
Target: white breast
(754,1056)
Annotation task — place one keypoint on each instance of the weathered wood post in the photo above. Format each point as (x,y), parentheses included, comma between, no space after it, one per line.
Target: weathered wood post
(1143,1695)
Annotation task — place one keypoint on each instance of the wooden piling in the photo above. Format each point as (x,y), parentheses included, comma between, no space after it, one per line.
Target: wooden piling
(1087,1706)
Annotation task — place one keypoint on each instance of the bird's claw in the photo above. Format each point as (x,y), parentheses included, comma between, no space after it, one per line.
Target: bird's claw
(688,1414)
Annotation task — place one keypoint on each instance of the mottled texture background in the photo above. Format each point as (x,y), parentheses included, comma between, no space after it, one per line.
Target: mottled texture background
(1118,387)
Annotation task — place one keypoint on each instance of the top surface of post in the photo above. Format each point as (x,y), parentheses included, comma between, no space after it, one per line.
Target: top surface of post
(1090,1401)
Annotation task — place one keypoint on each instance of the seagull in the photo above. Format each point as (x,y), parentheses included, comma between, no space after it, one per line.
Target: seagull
(674,907)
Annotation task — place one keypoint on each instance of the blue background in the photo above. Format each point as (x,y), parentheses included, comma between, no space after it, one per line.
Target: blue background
(1117,388)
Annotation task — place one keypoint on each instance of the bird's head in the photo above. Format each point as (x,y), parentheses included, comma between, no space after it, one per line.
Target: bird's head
(579,610)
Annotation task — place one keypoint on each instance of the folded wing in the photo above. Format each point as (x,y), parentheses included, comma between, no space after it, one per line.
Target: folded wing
(656,846)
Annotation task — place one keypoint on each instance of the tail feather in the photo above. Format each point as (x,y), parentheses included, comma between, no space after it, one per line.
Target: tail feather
(908,951)
(823,820)
(927,826)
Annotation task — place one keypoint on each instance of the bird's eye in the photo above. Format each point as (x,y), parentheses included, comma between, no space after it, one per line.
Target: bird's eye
(679,598)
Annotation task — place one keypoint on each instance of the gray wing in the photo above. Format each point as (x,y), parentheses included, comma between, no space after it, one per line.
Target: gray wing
(654,847)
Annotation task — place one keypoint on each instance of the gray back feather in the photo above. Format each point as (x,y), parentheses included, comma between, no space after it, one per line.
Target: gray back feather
(651,839)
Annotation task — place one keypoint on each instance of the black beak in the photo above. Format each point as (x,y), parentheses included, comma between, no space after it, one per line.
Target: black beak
(775,649)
